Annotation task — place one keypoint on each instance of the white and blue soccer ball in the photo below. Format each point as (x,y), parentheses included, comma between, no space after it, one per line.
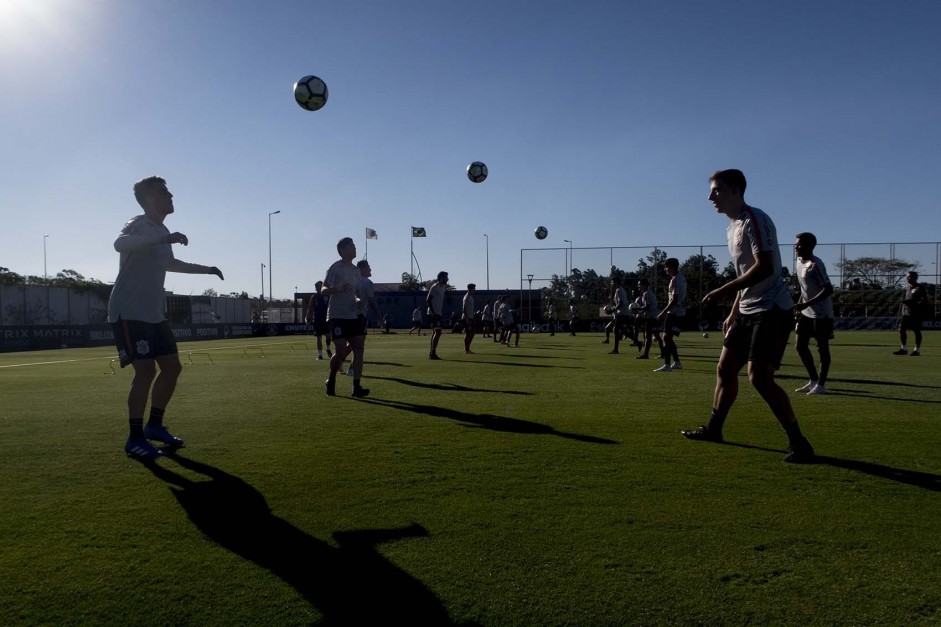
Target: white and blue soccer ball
(541,232)
(311,93)
(477,172)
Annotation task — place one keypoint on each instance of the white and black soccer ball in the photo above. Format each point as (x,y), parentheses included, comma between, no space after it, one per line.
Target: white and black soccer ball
(541,232)
(477,172)
(705,335)
(608,309)
(311,93)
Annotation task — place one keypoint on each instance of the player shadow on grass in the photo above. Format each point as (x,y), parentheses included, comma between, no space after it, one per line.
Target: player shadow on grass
(513,363)
(447,387)
(487,421)
(350,584)
(832,380)
(925,480)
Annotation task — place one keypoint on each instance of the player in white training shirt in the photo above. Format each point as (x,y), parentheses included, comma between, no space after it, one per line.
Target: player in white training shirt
(343,316)
(672,316)
(758,325)
(136,312)
(814,313)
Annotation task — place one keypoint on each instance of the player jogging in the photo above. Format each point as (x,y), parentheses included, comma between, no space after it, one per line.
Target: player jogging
(758,325)
(136,312)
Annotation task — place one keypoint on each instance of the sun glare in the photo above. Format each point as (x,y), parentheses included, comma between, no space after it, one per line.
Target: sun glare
(29,25)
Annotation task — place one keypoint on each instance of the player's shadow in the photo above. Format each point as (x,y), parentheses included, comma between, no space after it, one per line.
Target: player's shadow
(514,363)
(925,480)
(350,584)
(487,421)
(447,387)
(832,380)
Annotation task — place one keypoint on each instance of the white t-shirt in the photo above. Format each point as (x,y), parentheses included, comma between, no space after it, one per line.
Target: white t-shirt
(812,277)
(621,305)
(677,291)
(749,235)
(366,292)
(468,306)
(436,298)
(146,257)
(342,305)
(648,304)
(505,313)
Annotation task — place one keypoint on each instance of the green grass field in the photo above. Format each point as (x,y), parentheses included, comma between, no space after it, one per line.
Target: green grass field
(547,485)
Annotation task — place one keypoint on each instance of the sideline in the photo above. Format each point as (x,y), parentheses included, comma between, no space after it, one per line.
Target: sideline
(72,361)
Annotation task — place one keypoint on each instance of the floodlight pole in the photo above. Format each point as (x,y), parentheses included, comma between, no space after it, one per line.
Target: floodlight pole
(262,284)
(45,273)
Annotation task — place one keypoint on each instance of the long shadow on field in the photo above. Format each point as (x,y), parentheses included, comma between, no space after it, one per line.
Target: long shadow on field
(831,380)
(513,363)
(926,480)
(487,421)
(350,584)
(447,387)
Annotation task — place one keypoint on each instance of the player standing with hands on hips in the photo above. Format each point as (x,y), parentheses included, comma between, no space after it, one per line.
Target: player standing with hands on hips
(136,312)
(435,300)
(757,328)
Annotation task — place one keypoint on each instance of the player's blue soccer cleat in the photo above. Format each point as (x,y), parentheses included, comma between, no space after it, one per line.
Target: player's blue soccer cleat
(160,433)
(141,449)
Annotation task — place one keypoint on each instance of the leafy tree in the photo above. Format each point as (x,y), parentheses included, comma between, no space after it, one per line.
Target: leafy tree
(8,277)
(874,272)
(211,293)
(410,283)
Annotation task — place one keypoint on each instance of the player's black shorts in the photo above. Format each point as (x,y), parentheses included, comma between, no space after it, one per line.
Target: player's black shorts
(672,324)
(648,324)
(321,327)
(344,329)
(470,325)
(760,337)
(910,323)
(142,340)
(821,329)
(435,321)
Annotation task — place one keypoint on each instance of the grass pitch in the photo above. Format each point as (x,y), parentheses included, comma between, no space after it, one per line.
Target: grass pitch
(545,485)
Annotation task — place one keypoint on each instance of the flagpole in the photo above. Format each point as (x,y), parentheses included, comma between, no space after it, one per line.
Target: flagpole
(411,259)
(366,250)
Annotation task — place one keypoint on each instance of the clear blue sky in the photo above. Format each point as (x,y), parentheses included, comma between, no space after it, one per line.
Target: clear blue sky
(599,120)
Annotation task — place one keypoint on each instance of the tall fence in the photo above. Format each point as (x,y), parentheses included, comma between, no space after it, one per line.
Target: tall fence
(877,295)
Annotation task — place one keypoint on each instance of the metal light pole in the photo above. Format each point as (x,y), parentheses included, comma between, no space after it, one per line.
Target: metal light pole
(45,273)
(270,297)
(487,238)
(530,299)
(262,284)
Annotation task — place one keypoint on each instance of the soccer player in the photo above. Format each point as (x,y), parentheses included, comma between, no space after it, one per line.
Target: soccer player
(573,315)
(416,321)
(470,323)
(507,322)
(552,318)
(317,315)
(136,311)
(343,316)
(486,320)
(914,304)
(671,318)
(758,325)
(645,310)
(622,313)
(814,313)
(435,300)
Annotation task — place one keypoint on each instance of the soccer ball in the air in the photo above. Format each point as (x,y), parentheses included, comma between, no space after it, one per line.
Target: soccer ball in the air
(608,309)
(311,93)
(705,335)
(541,232)
(477,172)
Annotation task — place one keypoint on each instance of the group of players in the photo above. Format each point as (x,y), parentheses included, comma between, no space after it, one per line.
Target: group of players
(756,330)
